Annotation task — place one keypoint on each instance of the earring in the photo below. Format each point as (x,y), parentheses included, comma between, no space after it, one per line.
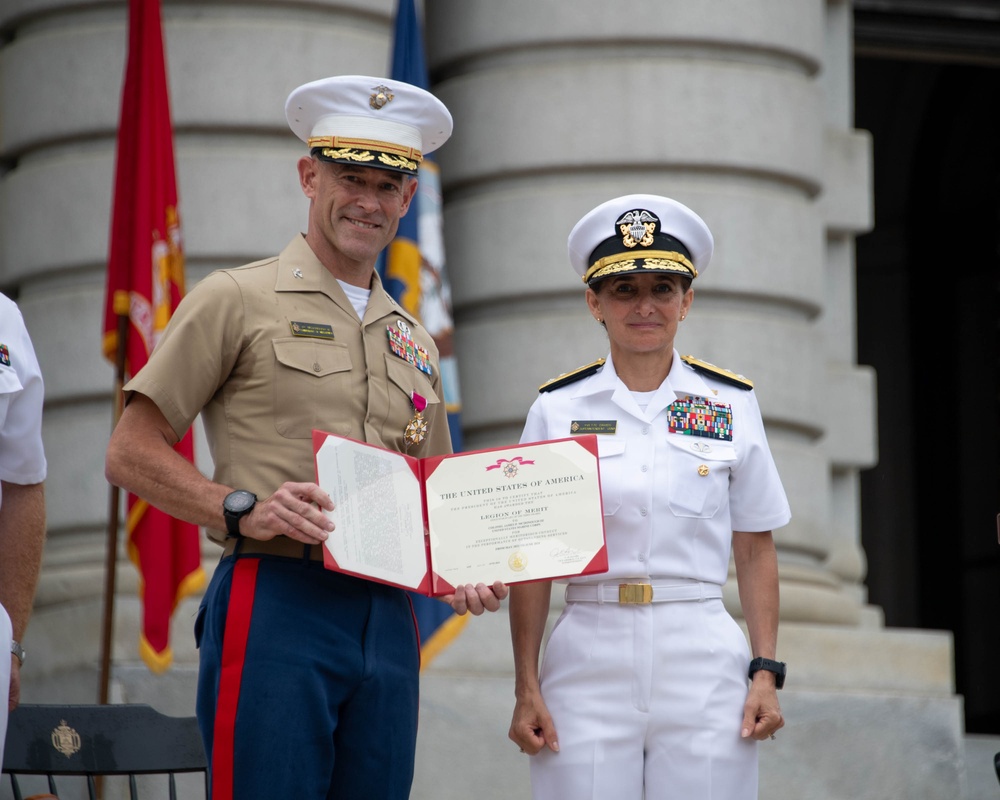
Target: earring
(683,316)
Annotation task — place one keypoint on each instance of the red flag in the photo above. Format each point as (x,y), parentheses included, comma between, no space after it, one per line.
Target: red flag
(146,282)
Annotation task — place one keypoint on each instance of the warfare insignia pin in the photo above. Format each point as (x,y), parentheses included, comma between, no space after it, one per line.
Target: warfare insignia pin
(380,96)
(637,227)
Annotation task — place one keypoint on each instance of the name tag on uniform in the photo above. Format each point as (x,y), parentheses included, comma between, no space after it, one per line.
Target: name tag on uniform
(314,330)
(582,426)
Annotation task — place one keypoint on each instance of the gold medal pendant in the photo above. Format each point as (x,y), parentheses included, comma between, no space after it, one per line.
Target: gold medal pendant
(416,428)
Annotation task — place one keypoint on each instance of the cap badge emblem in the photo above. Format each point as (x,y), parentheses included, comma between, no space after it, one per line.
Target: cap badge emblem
(637,227)
(380,96)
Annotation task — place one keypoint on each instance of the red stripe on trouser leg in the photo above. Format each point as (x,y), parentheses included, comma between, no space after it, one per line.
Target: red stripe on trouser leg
(234,648)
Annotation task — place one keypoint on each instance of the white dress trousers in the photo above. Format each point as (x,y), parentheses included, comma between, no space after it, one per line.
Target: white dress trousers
(647,700)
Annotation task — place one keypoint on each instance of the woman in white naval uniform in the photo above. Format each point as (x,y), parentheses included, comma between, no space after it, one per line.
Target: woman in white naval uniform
(648,688)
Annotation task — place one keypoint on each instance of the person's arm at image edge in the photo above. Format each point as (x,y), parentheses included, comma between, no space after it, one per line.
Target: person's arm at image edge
(22,540)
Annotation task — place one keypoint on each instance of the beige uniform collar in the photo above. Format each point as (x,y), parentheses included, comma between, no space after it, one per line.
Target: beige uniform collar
(300,271)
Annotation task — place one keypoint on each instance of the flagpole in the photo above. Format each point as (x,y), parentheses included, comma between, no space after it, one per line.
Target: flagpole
(111,556)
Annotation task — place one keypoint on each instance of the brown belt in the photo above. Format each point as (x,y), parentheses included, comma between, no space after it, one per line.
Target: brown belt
(278,546)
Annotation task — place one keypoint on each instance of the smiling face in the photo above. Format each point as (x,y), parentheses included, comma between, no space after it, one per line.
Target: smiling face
(640,311)
(353,214)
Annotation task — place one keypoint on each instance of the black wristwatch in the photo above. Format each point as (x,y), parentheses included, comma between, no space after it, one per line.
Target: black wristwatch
(777,667)
(236,506)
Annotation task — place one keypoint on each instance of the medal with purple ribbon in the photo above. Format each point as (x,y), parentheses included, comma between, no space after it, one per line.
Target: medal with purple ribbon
(416,428)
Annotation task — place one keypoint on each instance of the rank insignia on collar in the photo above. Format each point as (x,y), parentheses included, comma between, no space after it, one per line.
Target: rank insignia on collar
(4,355)
(637,227)
(401,343)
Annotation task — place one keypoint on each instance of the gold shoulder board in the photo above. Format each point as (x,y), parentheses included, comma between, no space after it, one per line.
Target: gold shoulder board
(731,378)
(569,377)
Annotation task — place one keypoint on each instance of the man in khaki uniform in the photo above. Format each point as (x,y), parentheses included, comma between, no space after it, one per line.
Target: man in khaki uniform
(308,678)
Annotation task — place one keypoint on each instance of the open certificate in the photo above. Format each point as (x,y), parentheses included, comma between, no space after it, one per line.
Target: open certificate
(515,514)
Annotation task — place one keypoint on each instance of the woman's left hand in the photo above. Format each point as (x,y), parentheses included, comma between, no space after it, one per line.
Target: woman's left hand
(762,712)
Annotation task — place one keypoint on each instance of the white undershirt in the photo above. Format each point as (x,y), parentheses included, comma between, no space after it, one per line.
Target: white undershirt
(357,296)
(642,398)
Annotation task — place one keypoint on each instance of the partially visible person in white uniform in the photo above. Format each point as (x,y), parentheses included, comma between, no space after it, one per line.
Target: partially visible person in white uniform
(648,688)
(22,496)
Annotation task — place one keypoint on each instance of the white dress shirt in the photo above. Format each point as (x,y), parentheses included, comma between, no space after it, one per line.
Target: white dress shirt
(671,500)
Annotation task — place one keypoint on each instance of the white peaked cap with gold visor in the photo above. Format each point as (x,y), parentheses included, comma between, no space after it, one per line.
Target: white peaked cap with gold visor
(640,233)
(368,121)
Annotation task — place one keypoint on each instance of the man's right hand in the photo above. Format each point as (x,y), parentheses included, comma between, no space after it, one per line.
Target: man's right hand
(293,511)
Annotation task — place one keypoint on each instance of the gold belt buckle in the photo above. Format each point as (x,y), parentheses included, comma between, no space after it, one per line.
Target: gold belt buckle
(635,593)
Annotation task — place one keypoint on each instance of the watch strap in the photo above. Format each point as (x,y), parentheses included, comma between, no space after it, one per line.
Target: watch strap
(777,667)
(17,650)
(233,524)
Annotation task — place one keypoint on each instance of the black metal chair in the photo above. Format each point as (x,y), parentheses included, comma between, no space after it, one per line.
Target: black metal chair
(101,740)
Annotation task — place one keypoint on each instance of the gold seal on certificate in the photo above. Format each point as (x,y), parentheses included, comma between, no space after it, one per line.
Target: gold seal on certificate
(521,513)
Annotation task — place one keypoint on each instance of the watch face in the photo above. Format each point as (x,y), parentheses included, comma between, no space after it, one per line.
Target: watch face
(239,501)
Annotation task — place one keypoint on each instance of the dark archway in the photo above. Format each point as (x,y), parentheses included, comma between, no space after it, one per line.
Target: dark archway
(929,322)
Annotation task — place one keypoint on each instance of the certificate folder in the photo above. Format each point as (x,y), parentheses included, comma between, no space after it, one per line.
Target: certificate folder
(521,513)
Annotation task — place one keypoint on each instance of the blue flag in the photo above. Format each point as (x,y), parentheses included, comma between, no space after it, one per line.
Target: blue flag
(412,271)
